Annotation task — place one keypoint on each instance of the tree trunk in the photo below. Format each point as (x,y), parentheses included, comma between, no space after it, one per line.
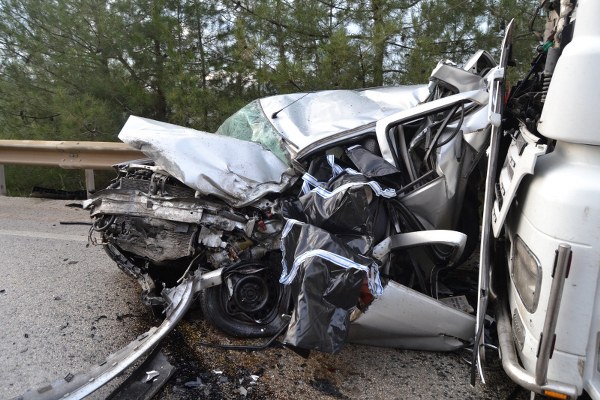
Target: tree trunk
(378,41)
(160,103)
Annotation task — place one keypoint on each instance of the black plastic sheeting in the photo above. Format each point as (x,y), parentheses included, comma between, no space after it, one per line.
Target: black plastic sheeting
(326,244)
(324,287)
(372,165)
(350,211)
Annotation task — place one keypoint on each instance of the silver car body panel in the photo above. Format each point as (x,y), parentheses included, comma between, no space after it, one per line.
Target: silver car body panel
(455,160)
(404,318)
(457,78)
(240,172)
(479,97)
(409,240)
(305,118)
(237,171)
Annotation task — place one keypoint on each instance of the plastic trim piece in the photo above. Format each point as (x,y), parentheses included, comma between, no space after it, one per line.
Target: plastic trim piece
(517,166)
(561,264)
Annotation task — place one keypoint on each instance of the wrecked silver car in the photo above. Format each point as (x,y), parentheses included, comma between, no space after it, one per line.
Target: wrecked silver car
(363,198)
(332,216)
(348,216)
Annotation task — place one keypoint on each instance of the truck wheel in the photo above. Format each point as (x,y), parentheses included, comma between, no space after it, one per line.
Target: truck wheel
(249,303)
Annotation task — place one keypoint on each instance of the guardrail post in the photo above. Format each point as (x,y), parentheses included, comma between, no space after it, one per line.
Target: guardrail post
(90,185)
(3,191)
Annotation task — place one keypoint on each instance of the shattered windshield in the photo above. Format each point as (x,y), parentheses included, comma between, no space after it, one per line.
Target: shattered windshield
(250,123)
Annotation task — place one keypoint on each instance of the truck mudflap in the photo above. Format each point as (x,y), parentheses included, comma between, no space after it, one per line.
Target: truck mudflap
(178,298)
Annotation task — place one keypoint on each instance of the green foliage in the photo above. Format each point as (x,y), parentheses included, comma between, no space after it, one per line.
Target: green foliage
(338,67)
(76,69)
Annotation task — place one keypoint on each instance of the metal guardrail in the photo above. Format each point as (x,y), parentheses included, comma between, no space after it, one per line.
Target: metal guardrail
(64,154)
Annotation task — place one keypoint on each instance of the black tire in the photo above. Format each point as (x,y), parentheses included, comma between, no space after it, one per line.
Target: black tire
(269,301)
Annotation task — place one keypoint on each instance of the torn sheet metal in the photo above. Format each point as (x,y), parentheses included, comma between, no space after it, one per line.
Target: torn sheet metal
(136,203)
(81,385)
(237,171)
(450,155)
(384,126)
(404,318)
(438,204)
(456,79)
(426,204)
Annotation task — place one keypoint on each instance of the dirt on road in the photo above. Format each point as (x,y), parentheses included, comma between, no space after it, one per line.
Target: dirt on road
(357,372)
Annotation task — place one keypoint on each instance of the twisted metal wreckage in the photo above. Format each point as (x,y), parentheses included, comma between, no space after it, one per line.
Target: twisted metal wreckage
(354,197)
(332,216)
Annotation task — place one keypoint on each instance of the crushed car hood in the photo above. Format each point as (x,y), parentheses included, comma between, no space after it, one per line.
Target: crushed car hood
(242,171)
(237,171)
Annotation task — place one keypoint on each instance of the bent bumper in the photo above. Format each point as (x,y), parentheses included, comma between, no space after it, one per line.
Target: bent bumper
(78,386)
(510,361)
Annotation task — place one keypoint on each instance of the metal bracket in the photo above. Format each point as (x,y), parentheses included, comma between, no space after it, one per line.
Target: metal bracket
(495,78)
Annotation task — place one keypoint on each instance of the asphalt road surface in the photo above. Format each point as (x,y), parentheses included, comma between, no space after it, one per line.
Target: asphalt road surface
(65,306)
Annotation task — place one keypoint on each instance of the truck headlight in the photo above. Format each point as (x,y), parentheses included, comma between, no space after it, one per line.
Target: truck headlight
(526,274)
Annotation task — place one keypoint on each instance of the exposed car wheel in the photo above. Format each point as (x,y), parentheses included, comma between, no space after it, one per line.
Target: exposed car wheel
(249,302)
